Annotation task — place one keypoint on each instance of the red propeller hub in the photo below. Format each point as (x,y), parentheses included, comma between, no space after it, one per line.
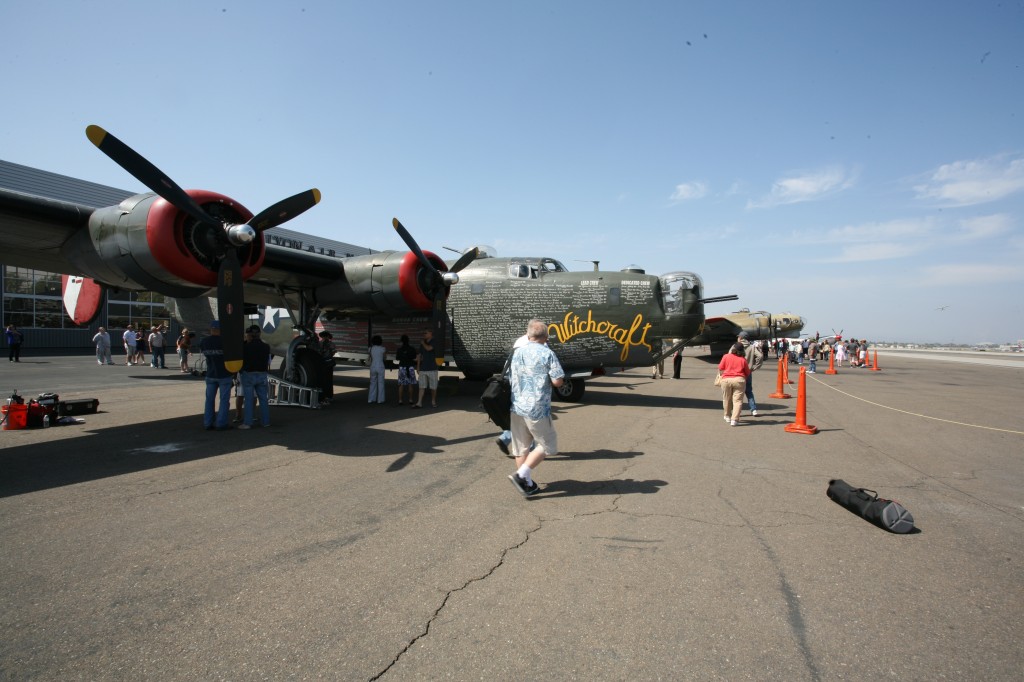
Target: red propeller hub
(191,250)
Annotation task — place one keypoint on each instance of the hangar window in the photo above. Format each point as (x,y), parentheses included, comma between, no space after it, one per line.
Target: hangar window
(32,299)
(141,308)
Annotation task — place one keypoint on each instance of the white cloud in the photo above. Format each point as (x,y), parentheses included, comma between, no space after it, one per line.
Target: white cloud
(805,187)
(874,251)
(909,228)
(905,237)
(982,227)
(968,274)
(688,191)
(963,183)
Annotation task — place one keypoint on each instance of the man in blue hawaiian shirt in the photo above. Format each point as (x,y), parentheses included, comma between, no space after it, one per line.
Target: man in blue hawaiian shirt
(535,369)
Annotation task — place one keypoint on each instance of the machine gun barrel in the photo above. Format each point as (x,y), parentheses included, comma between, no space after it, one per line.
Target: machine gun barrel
(718,299)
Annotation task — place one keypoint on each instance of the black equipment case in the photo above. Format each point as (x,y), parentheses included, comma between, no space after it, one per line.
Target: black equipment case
(80,406)
(886,514)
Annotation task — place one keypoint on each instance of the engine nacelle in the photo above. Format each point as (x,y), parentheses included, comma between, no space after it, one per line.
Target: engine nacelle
(146,243)
(390,282)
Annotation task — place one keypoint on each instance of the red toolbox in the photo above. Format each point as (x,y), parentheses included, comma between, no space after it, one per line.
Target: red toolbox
(43,410)
(40,415)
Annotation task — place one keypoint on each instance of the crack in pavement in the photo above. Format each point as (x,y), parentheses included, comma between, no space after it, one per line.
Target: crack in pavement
(795,617)
(448,595)
(612,507)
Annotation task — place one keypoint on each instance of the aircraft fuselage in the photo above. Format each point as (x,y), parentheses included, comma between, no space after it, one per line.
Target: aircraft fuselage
(595,319)
(600,321)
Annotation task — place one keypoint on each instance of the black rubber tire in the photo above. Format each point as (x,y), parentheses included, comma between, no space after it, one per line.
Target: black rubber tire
(571,391)
(308,367)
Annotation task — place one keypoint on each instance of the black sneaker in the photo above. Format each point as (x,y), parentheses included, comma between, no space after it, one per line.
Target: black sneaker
(519,483)
(532,489)
(502,445)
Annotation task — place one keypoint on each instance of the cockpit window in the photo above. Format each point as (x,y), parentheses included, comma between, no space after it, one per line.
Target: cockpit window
(551,265)
(534,269)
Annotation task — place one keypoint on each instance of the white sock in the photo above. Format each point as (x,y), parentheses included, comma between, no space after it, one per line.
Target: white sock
(524,473)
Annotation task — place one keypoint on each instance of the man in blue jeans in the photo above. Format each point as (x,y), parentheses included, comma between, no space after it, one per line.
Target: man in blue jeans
(255,363)
(218,380)
(755,358)
(156,348)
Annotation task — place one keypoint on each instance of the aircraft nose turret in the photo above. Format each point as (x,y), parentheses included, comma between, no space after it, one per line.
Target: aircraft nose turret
(681,292)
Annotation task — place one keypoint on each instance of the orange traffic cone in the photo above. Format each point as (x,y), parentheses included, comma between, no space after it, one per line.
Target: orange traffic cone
(867,359)
(831,363)
(778,381)
(874,367)
(785,370)
(800,425)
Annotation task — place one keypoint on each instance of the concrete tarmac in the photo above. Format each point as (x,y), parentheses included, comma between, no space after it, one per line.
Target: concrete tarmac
(367,542)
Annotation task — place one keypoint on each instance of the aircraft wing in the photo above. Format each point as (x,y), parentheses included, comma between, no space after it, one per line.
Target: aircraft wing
(717,331)
(296,269)
(140,242)
(35,229)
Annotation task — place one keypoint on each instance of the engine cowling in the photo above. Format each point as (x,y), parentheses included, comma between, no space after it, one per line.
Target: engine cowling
(390,282)
(145,242)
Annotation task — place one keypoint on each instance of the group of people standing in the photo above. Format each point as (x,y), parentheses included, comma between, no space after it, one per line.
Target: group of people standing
(854,350)
(737,366)
(417,367)
(135,343)
(255,385)
(814,349)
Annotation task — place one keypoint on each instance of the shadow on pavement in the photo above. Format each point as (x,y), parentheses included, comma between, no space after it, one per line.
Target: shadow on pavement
(571,488)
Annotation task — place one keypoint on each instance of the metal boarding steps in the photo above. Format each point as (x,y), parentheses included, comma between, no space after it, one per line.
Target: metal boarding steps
(283,392)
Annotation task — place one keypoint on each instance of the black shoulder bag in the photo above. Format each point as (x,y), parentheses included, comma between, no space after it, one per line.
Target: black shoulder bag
(497,397)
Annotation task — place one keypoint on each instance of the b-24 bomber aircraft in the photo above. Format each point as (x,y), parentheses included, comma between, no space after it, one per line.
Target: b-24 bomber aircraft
(193,244)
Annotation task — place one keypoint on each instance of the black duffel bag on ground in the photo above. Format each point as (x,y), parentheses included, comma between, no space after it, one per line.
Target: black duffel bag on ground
(887,514)
(497,400)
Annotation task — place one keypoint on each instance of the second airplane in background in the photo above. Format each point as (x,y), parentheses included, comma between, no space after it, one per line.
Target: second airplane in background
(720,332)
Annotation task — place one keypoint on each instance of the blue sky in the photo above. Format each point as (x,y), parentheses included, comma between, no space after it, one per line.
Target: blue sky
(859,163)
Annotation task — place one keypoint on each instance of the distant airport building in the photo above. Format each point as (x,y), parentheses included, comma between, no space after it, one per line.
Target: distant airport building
(32,299)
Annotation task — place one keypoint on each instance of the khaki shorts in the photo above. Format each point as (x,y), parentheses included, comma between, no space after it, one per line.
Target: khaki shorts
(428,379)
(540,432)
